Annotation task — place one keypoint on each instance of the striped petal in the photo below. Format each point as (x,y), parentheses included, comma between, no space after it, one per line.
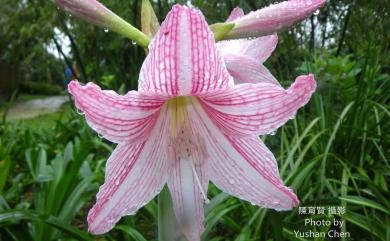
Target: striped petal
(183,59)
(273,18)
(236,13)
(244,57)
(135,173)
(187,196)
(259,49)
(245,69)
(257,108)
(117,118)
(242,167)
(90,10)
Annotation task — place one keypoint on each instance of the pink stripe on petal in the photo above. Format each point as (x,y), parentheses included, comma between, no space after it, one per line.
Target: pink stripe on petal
(244,58)
(257,108)
(183,59)
(242,167)
(274,18)
(245,69)
(90,10)
(236,13)
(187,197)
(259,49)
(117,118)
(135,173)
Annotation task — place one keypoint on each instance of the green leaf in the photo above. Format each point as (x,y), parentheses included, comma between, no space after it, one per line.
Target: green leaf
(4,169)
(13,216)
(368,224)
(365,202)
(215,202)
(132,232)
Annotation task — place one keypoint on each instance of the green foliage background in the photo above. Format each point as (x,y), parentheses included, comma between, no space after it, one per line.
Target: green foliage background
(334,153)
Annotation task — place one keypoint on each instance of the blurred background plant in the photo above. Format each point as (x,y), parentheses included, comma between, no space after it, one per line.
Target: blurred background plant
(334,153)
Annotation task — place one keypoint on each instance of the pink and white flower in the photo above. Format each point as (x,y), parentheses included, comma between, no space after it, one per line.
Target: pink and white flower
(189,124)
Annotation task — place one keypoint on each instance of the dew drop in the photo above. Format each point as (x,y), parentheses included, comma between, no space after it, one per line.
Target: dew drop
(317,12)
(132,209)
(106,30)
(133,42)
(79,112)
(272,133)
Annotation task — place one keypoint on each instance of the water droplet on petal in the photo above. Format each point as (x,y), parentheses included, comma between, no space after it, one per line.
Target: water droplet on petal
(79,112)
(132,210)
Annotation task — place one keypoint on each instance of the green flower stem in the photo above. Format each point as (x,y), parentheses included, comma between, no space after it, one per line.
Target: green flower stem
(122,27)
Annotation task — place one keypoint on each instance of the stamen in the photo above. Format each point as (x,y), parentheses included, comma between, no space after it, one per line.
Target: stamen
(206,200)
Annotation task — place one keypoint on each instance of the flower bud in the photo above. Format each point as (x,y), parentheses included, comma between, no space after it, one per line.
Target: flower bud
(96,13)
(273,18)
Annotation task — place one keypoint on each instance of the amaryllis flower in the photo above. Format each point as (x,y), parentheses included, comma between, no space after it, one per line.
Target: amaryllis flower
(188,124)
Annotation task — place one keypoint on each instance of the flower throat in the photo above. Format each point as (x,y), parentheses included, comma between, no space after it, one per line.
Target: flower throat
(185,144)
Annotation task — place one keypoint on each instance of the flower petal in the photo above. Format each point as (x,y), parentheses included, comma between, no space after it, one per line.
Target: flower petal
(183,59)
(273,18)
(117,118)
(257,108)
(187,197)
(135,173)
(245,69)
(90,10)
(259,49)
(236,13)
(243,167)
